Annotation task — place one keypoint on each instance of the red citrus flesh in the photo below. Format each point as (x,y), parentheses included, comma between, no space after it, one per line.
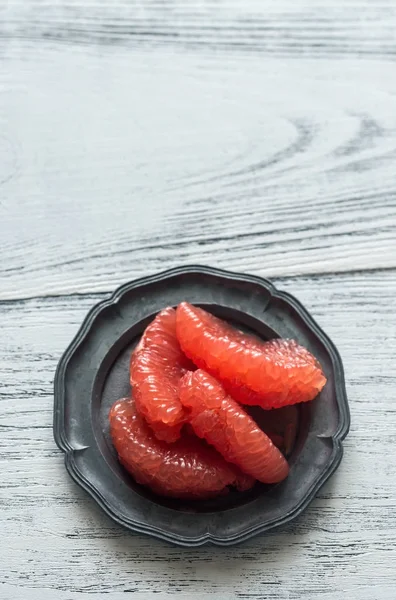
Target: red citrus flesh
(220,420)
(270,374)
(186,469)
(157,364)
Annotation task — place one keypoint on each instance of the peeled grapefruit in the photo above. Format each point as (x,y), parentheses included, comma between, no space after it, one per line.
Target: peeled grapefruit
(157,364)
(187,468)
(270,374)
(223,423)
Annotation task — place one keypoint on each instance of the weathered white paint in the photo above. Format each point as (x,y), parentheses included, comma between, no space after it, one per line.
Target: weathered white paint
(257,136)
(55,539)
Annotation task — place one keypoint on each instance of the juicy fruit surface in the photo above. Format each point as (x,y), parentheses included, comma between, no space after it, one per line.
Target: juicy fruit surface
(270,374)
(185,433)
(220,420)
(157,364)
(185,469)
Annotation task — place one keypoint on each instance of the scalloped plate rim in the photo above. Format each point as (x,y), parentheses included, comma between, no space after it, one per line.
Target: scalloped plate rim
(59,403)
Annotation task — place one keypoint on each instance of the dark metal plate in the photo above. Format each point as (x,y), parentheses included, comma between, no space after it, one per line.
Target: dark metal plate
(93,373)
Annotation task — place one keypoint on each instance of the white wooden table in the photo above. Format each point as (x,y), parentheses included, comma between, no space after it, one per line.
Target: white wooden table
(257,136)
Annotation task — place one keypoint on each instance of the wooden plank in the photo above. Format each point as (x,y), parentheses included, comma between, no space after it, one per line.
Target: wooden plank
(257,136)
(118,162)
(56,544)
(286,27)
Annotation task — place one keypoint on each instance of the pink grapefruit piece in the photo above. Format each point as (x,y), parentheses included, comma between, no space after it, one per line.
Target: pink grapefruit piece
(186,469)
(225,424)
(270,374)
(157,364)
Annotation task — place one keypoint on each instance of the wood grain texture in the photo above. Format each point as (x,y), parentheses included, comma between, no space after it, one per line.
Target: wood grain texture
(57,544)
(285,27)
(257,136)
(119,161)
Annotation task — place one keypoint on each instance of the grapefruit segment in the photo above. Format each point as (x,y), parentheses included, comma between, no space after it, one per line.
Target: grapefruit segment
(186,469)
(157,364)
(270,374)
(220,420)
